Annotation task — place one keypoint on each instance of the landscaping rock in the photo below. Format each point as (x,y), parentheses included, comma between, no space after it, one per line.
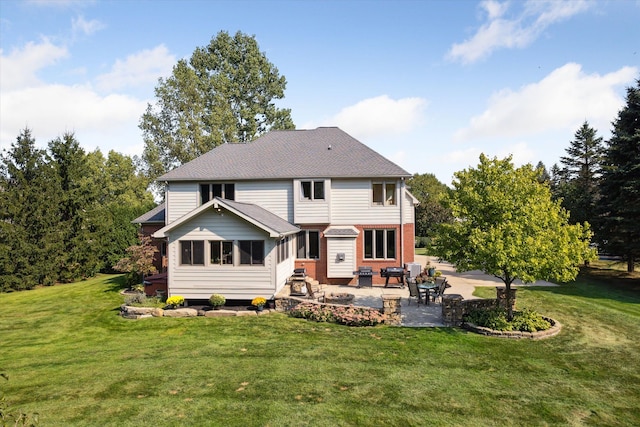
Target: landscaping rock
(219,313)
(157,312)
(181,312)
(130,310)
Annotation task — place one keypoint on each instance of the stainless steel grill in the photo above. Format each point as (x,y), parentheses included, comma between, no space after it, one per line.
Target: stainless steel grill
(365,276)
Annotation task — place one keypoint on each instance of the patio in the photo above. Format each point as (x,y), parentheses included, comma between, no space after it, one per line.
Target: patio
(421,315)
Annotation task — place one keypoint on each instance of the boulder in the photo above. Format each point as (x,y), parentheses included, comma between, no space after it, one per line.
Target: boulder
(181,312)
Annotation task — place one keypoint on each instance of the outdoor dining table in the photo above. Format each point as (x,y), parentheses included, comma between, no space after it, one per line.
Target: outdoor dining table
(427,287)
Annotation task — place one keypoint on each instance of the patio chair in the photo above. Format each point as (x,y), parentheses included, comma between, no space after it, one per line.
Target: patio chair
(439,291)
(414,292)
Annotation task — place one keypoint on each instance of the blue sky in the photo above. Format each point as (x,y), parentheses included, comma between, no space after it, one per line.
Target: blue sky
(428,84)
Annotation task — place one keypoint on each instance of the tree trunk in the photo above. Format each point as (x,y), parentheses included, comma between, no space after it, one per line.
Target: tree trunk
(630,264)
(509,301)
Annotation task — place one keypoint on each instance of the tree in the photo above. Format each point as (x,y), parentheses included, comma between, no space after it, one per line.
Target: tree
(620,184)
(139,262)
(581,171)
(29,237)
(430,212)
(508,226)
(225,93)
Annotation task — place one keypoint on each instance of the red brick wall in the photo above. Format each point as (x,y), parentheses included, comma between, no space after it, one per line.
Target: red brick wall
(318,268)
(159,263)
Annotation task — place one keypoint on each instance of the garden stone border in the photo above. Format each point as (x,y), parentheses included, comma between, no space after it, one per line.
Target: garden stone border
(131,312)
(552,331)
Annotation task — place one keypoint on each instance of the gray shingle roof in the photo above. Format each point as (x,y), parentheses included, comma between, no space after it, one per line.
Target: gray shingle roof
(326,152)
(261,215)
(155,215)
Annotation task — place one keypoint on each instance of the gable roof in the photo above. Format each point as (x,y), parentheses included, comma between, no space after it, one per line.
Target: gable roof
(325,152)
(254,214)
(155,216)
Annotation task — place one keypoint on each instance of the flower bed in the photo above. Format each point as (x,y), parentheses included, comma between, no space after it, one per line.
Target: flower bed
(345,315)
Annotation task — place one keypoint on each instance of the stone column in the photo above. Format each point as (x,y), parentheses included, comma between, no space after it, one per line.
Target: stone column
(392,309)
(452,309)
(501,296)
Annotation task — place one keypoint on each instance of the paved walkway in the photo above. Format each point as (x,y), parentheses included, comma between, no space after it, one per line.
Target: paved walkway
(421,315)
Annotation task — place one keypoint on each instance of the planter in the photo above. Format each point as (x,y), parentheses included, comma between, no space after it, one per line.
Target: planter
(431,272)
(260,307)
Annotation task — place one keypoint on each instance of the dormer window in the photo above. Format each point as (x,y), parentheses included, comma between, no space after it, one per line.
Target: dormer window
(223,190)
(312,190)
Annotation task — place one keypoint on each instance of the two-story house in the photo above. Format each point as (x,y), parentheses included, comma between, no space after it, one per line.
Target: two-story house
(239,219)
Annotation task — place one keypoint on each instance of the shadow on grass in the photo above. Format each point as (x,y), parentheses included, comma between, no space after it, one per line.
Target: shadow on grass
(600,284)
(115,283)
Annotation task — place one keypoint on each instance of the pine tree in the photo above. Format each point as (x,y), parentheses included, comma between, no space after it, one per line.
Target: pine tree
(29,238)
(581,171)
(620,186)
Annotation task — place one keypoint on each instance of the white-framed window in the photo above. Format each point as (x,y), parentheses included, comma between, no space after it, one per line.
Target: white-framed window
(380,244)
(192,252)
(312,190)
(383,193)
(308,246)
(251,252)
(223,190)
(283,249)
(221,252)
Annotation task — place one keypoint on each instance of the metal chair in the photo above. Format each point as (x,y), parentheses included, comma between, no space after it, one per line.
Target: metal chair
(414,292)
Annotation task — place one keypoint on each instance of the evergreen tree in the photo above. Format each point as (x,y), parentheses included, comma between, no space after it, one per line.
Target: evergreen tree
(582,167)
(78,196)
(29,234)
(620,186)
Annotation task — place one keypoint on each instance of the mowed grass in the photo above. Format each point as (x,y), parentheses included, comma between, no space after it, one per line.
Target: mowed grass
(73,360)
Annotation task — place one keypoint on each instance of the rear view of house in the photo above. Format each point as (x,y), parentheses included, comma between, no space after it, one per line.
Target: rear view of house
(239,219)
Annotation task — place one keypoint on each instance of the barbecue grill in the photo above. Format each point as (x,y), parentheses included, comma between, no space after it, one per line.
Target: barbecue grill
(365,276)
(397,272)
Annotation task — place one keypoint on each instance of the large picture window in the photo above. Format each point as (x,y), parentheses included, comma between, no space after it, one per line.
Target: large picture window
(312,190)
(308,244)
(383,193)
(222,190)
(192,252)
(251,252)
(221,252)
(379,244)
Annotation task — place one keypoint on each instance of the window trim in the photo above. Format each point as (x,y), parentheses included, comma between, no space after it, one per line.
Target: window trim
(312,188)
(380,248)
(304,236)
(252,256)
(221,252)
(191,252)
(227,191)
(384,193)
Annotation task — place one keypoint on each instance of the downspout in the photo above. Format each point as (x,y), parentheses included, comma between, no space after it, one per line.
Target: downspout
(401,222)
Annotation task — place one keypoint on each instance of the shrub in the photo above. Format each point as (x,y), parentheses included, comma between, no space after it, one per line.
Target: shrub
(345,315)
(496,319)
(137,299)
(175,301)
(217,300)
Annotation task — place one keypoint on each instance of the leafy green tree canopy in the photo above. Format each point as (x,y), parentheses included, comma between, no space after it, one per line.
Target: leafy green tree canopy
(508,226)
(225,93)
(430,212)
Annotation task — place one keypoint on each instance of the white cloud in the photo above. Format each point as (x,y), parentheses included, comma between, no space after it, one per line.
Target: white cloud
(521,154)
(560,101)
(379,116)
(82,26)
(516,32)
(20,67)
(140,68)
(50,109)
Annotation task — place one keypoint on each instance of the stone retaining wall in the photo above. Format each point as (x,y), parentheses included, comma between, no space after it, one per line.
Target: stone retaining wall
(455,307)
(130,312)
(553,330)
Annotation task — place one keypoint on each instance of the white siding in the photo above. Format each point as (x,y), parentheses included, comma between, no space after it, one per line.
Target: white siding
(284,270)
(351,203)
(274,196)
(181,198)
(341,269)
(233,281)
(311,211)
(409,211)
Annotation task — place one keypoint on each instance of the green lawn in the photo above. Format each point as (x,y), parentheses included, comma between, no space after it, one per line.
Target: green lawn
(72,359)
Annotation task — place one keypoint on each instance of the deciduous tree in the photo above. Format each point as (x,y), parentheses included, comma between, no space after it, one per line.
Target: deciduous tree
(430,212)
(507,226)
(225,93)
